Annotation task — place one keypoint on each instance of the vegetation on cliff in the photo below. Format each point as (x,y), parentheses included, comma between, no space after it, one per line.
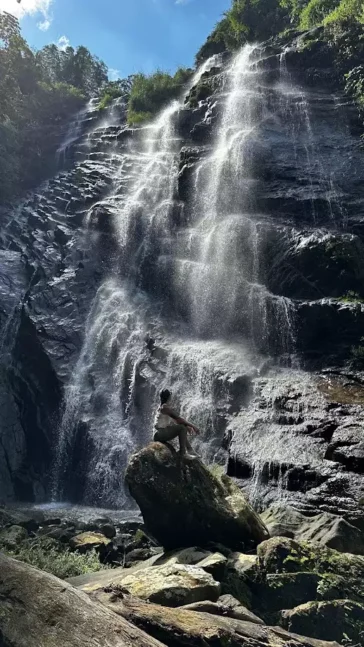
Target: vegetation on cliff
(39,90)
(149,93)
(257,20)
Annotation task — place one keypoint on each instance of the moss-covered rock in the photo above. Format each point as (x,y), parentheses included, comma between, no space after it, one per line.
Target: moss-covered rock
(39,609)
(184,504)
(226,605)
(341,575)
(89,540)
(13,536)
(286,590)
(173,585)
(327,620)
(185,628)
(207,85)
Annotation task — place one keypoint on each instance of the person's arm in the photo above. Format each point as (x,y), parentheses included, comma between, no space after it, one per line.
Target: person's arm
(180,421)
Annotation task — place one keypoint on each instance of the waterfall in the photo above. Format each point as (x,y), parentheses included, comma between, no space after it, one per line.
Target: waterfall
(186,304)
(74,131)
(224,279)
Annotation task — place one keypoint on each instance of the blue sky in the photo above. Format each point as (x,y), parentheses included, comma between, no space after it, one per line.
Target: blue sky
(129,35)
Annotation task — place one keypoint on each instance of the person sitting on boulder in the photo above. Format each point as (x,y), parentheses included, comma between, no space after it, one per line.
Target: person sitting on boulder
(168,425)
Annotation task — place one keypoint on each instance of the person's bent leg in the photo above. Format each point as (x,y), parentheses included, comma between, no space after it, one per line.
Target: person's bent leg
(165,434)
(183,440)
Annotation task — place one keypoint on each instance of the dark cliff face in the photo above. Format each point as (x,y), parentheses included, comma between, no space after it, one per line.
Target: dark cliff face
(61,244)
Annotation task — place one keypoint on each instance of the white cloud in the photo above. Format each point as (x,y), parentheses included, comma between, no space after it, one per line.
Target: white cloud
(63,42)
(45,25)
(113,74)
(30,8)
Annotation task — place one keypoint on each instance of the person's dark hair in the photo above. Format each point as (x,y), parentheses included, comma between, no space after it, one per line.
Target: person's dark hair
(165,395)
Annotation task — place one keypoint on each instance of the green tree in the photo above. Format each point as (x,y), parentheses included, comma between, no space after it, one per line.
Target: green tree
(149,93)
(39,91)
(247,20)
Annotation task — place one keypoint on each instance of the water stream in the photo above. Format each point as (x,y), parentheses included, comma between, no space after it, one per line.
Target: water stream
(186,304)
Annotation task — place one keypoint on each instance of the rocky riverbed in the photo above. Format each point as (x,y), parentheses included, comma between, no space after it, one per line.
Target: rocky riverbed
(223,580)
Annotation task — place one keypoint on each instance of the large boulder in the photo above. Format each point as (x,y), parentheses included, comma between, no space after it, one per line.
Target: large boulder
(184,504)
(172,585)
(332,575)
(175,578)
(324,528)
(13,536)
(184,628)
(39,609)
(330,620)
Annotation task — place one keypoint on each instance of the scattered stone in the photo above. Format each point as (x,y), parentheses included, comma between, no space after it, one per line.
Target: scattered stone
(88,540)
(245,565)
(63,535)
(241,573)
(341,575)
(172,585)
(137,555)
(184,504)
(226,605)
(214,564)
(108,530)
(327,620)
(13,536)
(183,628)
(107,578)
(235,609)
(52,521)
(30,522)
(190,556)
(287,590)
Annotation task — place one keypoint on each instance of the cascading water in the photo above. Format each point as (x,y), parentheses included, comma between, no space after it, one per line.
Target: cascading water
(103,393)
(74,131)
(186,304)
(224,280)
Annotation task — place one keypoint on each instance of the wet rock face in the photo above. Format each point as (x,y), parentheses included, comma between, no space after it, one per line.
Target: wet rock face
(50,266)
(297,219)
(300,442)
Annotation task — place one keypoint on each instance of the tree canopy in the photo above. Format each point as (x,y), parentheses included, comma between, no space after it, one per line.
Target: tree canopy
(38,92)
(258,20)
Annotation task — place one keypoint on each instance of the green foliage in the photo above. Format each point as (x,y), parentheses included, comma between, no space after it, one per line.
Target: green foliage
(199,92)
(257,20)
(346,11)
(247,20)
(357,353)
(115,90)
(315,12)
(352,297)
(216,470)
(38,93)
(50,556)
(355,85)
(148,94)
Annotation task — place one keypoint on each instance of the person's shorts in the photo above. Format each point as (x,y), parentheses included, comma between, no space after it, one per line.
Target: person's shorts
(164,434)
